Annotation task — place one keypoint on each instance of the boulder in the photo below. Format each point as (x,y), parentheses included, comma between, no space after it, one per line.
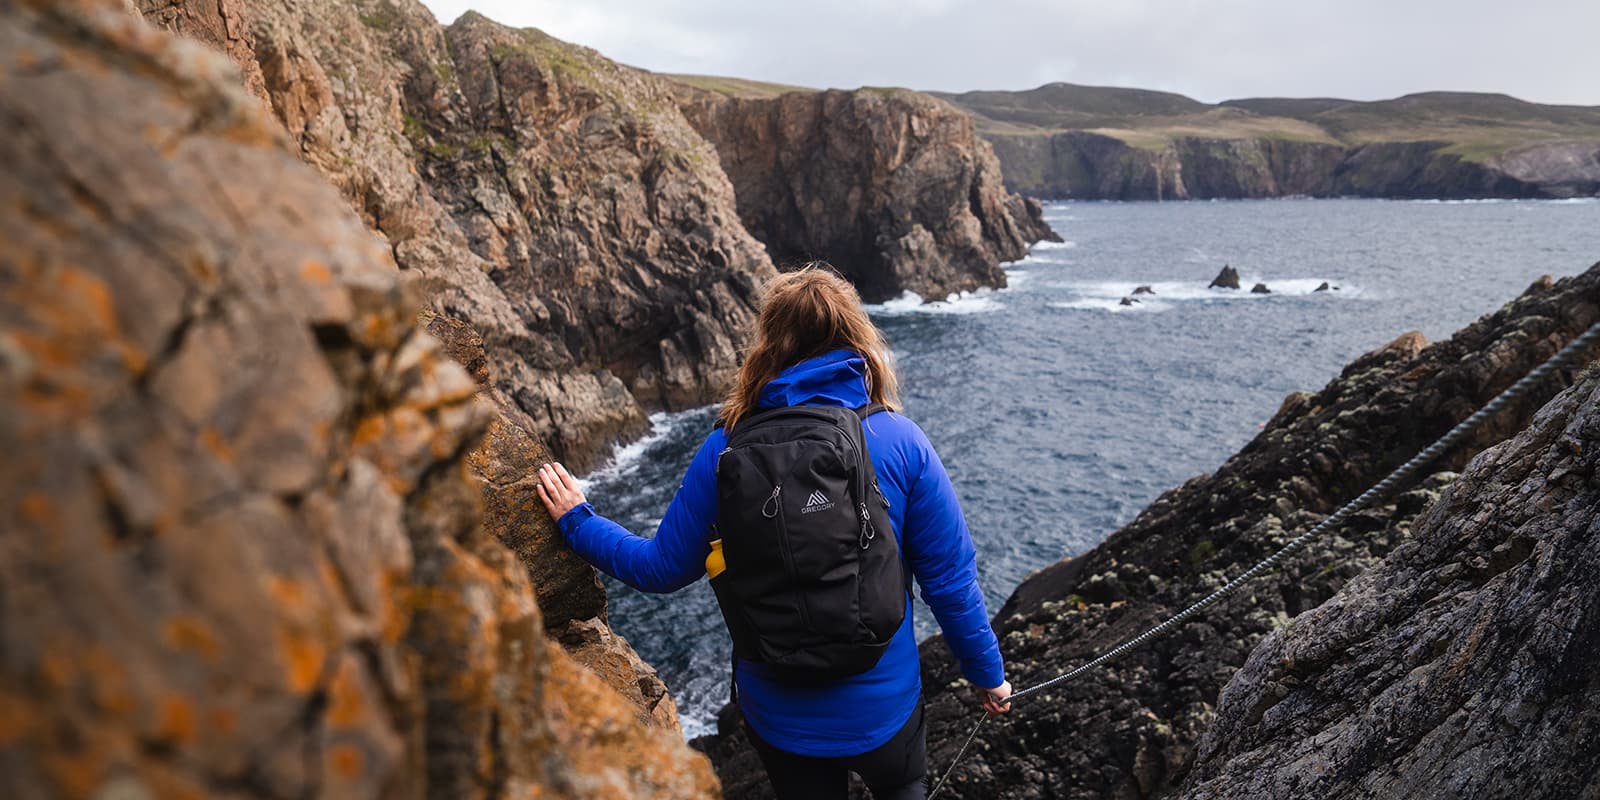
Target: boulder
(1323,287)
(1260,288)
(1128,301)
(1144,290)
(1228,278)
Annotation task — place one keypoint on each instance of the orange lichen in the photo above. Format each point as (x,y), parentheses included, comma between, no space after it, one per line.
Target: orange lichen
(91,299)
(316,272)
(288,592)
(211,439)
(75,774)
(346,701)
(223,720)
(347,760)
(36,508)
(187,632)
(176,722)
(303,656)
(16,719)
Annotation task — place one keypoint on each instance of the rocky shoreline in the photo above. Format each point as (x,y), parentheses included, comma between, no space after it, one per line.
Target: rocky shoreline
(1135,727)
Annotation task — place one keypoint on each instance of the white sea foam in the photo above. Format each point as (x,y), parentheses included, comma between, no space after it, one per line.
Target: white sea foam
(1107,295)
(1063,245)
(626,458)
(975,302)
(1114,306)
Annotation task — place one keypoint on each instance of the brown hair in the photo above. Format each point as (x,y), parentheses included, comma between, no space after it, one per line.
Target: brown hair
(804,314)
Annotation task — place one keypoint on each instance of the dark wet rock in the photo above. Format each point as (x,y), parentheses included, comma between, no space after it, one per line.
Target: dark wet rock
(1260,288)
(1323,287)
(1461,665)
(1228,278)
(249,557)
(1144,290)
(1138,722)
(1128,301)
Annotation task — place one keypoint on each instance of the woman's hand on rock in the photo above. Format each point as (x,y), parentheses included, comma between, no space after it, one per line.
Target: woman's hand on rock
(559,490)
(994,700)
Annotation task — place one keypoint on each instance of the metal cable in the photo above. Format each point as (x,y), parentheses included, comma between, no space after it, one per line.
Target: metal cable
(1400,475)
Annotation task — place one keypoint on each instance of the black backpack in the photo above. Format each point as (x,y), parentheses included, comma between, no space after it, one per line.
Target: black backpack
(814,586)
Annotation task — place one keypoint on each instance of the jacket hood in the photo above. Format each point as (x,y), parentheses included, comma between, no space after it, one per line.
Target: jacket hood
(837,378)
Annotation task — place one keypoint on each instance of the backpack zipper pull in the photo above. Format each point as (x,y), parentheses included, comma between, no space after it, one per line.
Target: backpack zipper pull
(868,530)
(881,495)
(772,503)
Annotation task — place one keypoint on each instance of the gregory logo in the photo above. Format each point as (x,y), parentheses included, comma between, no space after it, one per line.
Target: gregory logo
(817,502)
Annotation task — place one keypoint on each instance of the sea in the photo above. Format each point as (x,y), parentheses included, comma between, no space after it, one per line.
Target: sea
(1060,413)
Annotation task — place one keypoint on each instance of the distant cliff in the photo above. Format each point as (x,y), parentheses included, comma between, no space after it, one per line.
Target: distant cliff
(891,186)
(1132,729)
(1066,141)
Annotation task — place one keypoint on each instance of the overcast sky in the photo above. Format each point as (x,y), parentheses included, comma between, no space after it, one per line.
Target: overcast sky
(1213,50)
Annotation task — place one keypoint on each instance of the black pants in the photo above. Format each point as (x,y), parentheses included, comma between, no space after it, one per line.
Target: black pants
(894,771)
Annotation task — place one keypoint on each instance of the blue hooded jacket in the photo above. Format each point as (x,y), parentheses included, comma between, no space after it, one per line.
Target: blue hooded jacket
(862,712)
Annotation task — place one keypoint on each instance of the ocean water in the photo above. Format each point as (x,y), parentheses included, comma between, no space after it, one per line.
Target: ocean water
(1061,413)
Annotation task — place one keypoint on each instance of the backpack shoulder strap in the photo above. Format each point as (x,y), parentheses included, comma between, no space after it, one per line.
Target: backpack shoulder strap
(869,409)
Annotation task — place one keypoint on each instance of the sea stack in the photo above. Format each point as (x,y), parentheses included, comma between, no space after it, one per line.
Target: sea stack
(1228,278)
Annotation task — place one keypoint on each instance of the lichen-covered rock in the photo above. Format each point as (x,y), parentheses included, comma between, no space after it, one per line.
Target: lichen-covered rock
(557,201)
(570,596)
(1462,665)
(242,553)
(892,187)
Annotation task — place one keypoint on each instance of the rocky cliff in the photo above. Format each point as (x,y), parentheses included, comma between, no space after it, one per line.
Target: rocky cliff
(1067,141)
(1462,665)
(1131,730)
(1086,165)
(891,186)
(556,200)
(245,550)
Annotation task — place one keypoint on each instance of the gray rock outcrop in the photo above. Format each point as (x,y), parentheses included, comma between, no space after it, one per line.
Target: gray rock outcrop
(1462,665)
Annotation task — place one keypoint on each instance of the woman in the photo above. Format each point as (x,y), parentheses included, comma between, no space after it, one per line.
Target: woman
(816,346)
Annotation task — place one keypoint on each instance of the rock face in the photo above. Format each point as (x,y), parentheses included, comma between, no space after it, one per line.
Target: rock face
(1093,166)
(243,554)
(892,187)
(1228,278)
(1462,665)
(1137,722)
(1131,729)
(1063,140)
(557,201)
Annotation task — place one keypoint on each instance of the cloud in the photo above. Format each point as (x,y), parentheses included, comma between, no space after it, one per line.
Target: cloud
(1540,50)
